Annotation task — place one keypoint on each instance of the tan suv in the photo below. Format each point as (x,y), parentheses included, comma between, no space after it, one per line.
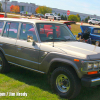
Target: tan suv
(49,48)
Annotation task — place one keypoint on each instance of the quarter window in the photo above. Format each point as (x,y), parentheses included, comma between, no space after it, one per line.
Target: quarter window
(11,29)
(1,26)
(26,30)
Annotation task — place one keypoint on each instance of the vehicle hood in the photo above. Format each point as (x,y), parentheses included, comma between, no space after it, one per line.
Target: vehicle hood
(79,49)
(83,28)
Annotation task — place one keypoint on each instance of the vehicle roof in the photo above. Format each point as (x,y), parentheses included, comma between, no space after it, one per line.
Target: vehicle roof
(27,20)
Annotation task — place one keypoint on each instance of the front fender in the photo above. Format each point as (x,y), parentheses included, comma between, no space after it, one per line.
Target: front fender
(63,58)
(66,61)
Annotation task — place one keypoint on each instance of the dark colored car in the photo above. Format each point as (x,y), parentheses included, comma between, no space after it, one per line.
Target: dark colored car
(39,15)
(94,34)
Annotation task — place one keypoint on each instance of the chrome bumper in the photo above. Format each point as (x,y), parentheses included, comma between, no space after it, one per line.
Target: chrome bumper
(88,81)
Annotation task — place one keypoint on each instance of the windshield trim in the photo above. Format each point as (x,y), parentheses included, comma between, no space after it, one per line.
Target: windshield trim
(73,37)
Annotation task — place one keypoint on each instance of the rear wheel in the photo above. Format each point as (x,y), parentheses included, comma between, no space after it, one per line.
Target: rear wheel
(46,17)
(54,18)
(4,66)
(65,82)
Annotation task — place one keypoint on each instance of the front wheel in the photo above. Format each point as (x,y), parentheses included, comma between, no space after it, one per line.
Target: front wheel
(65,82)
(46,17)
(54,18)
(90,23)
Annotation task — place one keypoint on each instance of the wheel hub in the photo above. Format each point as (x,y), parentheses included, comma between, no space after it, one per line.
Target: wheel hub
(62,83)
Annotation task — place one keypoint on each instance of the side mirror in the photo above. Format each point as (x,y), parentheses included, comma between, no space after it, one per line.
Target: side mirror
(30,39)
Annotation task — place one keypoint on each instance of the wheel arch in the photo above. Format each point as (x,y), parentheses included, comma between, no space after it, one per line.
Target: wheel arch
(66,63)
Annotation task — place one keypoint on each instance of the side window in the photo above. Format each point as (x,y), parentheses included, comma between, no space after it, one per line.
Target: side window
(11,29)
(26,30)
(1,26)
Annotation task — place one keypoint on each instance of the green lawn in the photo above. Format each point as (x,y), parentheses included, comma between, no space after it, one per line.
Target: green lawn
(36,86)
(75,29)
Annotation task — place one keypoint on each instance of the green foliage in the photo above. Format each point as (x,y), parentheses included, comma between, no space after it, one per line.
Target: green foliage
(63,17)
(43,10)
(1,7)
(73,18)
(86,19)
(58,14)
(78,17)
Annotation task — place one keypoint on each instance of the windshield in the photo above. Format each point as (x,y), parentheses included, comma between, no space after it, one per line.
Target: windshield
(54,32)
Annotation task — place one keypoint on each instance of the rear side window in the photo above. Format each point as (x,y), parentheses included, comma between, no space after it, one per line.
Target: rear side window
(1,26)
(11,29)
(26,30)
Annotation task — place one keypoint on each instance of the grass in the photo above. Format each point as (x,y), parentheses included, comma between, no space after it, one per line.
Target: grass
(22,80)
(36,86)
(75,29)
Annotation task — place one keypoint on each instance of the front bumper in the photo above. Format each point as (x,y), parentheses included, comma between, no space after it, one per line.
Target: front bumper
(90,81)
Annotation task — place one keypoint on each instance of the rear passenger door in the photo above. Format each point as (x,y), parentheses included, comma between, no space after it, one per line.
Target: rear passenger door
(27,54)
(8,40)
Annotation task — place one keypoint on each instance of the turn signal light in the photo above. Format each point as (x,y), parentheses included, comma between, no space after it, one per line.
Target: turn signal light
(94,72)
(77,60)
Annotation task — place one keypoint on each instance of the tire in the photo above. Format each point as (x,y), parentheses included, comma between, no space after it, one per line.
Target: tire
(46,17)
(4,66)
(70,85)
(90,23)
(54,18)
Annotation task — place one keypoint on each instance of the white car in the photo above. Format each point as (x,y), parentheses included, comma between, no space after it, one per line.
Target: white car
(94,21)
(52,16)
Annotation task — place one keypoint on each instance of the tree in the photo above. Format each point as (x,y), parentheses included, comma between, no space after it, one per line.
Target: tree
(62,17)
(58,14)
(86,19)
(65,18)
(36,9)
(43,10)
(1,7)
(14,8)
(73,18)
(78,17)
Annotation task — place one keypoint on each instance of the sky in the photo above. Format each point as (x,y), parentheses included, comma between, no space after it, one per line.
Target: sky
(82,6)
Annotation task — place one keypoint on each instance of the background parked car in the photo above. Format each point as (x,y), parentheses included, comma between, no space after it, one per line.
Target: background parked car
(94,21)
(24,13)
(52,16)
(39,15)
(94,34)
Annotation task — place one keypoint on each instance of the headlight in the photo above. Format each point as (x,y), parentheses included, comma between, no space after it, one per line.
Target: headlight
(90,66)
(95,65)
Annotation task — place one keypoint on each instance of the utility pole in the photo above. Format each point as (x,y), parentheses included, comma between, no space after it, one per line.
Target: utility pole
(5,8)
(5,2)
